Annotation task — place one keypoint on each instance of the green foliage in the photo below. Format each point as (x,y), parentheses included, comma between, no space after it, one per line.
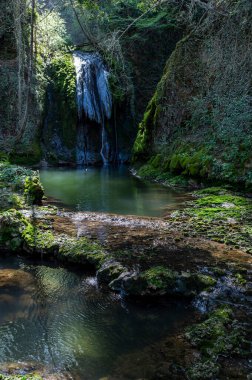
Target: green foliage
(206,132)
(4,157)
(224,116)
(51,34)
(19,185)
(14,176)
(31,156)
(64,78)
(157,168)
(194,163)
(16,201)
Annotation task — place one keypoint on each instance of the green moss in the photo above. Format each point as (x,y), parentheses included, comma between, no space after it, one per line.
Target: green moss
(212,191)
(33,190)
(159,277)
(156,169)
(218,215)
(141,149)
(21,377)
(12,224)
(206,281)
(18,185)
(218,335)
(194,163)
(202,135)
(82,251)
(36,238)
(16,201)
(240,280)
(220,207)
(17,232)
(212,336)
(222,199)
(148,172)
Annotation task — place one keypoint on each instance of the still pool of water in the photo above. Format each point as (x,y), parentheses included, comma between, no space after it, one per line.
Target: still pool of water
(59,318)
(109,189)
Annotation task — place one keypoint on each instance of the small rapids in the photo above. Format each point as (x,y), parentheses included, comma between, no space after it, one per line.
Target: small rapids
(94,102)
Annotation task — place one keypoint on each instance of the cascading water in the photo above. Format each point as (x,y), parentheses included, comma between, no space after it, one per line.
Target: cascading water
(94,102)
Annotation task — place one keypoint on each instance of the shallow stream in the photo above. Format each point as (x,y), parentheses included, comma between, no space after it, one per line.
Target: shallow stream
(57,317)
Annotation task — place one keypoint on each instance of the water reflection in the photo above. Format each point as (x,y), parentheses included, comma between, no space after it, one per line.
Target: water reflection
(108,189)
(59,318)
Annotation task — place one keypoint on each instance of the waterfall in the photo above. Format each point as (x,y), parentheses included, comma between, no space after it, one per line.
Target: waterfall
(94,101)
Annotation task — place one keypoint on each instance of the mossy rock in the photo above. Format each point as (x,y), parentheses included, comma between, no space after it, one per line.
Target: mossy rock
(33,190)
(109,271)
(82,251)
(218,334)
(39,240)
(160,278)
(12,225)
(191,284)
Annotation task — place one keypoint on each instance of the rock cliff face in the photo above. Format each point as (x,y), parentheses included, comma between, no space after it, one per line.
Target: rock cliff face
(199,119)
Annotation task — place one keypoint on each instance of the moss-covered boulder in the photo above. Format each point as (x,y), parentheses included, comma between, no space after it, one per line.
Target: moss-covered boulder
(33,190)
(219,334)
(12,225)
(109,271)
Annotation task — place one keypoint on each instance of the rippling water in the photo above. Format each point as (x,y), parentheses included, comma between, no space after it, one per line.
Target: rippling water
(58,317)
(109,189)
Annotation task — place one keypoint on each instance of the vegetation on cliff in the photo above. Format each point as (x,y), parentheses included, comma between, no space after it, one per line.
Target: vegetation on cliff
(199,120)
